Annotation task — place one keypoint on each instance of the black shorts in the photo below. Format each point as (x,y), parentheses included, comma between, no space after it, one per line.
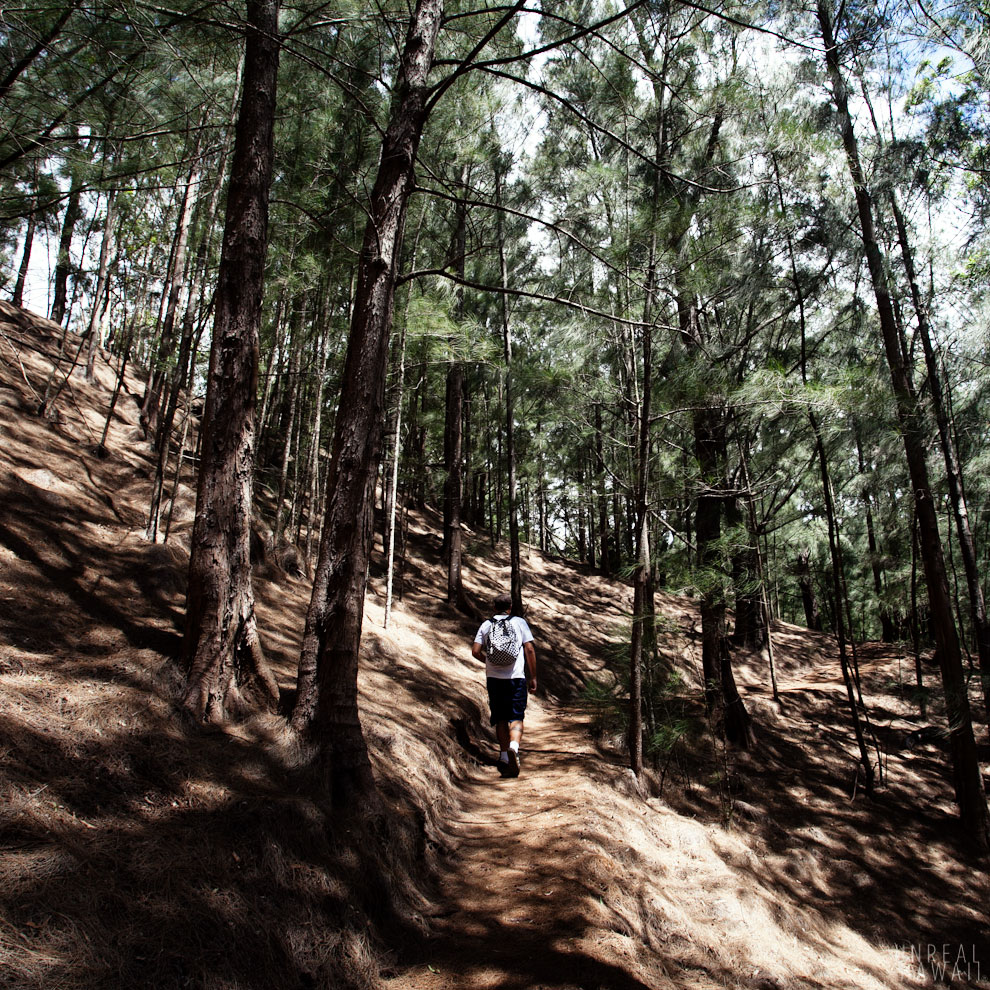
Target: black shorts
(507,698)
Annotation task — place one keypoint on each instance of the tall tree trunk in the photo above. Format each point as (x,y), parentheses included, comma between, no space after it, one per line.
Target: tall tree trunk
(393,488)
(98,310)
(314,453)
(295,346)
(227,672)
(840,627)
(962,744)
(953,469)
(326,705)
(605,560)
(887,629)
(730,718)
(642,630)
(641,583)
(515,564)
(166,346)
(453,488)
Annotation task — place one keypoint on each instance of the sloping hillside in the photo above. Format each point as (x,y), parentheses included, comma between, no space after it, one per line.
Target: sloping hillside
(141,851)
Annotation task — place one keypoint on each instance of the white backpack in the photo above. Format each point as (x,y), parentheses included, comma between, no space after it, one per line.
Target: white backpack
(502,643)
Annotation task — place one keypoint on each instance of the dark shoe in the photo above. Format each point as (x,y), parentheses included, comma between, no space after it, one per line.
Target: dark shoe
(504,768)
(513,769)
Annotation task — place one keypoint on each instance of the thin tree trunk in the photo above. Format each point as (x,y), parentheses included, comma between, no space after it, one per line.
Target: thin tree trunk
(515,564)
(295,345)
(96,314)
(962,745)
(919,677)
(101,448)
(17,296)
(840,632)
(642,587)
(453,440)
(605,558)
(314,454)
(953,469)
(394,486)
(166,346)
(888,632)
(227,671)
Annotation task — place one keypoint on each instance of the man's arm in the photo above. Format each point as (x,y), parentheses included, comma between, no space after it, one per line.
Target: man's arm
(529,651)
(477,652)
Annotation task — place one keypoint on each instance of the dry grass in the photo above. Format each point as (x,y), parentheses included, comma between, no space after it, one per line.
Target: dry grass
(140,852)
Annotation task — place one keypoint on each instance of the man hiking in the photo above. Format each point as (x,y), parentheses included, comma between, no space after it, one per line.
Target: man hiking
(506,643)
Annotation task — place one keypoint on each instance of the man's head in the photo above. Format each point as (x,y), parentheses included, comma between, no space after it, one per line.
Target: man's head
(502,605)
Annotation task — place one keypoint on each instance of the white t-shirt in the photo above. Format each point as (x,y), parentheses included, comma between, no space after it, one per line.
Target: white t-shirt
(518,669)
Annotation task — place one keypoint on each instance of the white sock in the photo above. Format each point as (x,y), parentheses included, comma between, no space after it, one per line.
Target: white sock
(504,758)
(514,746)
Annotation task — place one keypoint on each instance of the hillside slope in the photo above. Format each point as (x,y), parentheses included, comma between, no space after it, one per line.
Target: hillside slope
(141,851)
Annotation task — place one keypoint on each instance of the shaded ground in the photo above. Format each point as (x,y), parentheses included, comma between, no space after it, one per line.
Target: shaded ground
(136,851)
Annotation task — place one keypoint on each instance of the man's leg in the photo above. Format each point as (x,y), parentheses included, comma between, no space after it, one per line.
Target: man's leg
(515,729)
(503,735)
(514,733)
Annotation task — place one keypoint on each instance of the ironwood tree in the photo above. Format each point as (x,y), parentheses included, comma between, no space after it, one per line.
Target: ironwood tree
(226,669)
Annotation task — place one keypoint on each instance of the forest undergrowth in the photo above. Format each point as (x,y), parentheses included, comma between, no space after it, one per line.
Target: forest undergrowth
(141,851)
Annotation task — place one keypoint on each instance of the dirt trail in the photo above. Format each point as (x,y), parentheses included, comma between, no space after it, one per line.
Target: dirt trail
(521,902)
(568,877)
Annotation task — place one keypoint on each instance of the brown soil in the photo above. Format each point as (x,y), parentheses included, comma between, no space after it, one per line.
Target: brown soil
(140,851)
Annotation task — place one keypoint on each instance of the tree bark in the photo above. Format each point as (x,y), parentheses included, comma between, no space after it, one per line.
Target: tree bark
(17,296)
(227,672)
(953,469)
(812,616)
(63,264)
(840,628)
(99,296)
(722,698)
(642,588)
(515,563)
(962,744)
(326,706)
(453,489)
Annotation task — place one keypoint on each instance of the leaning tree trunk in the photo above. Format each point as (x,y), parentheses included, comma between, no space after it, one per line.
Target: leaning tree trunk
(166,344)
(17,296)
(953,469)
(962,744)
(327,704)
(227,672)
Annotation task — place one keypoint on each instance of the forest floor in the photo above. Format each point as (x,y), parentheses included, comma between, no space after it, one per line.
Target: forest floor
(137,850)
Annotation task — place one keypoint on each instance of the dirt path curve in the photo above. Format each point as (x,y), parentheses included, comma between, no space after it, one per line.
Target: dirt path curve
(522,907)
